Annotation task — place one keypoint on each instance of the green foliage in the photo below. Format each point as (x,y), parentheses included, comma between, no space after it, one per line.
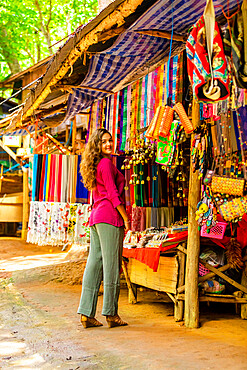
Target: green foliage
(29,28)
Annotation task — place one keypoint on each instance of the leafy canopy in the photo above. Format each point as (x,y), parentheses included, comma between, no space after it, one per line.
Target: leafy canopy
(29,28)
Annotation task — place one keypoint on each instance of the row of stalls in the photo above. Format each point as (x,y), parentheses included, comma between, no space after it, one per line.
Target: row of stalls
(169,83)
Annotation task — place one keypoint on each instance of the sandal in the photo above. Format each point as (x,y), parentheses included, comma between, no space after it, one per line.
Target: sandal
(90,322)
(114,321)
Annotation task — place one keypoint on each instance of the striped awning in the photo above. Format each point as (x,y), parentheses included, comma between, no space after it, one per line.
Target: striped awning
(132,50)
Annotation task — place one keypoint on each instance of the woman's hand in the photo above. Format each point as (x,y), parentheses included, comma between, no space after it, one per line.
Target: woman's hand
(127,225)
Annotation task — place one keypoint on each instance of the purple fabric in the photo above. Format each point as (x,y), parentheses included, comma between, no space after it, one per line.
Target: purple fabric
(108,194)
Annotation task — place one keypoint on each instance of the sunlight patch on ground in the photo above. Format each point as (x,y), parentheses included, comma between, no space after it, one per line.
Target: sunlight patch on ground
(33,361)
(28,262)
(12,348)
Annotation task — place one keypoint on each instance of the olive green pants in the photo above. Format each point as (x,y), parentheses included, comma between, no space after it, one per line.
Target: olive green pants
(104,262)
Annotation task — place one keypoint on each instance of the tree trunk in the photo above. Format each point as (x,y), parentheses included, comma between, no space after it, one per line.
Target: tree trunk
(9,57)
(44,28)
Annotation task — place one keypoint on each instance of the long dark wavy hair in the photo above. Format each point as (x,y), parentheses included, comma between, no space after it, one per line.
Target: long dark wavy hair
(91,157)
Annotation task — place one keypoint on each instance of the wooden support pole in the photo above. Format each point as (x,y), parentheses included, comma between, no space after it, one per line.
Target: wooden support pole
(25,212)
(191,313)
(132,288)
(74,136)
(179,305)
(66,134)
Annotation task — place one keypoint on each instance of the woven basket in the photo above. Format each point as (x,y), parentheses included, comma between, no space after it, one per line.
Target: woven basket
(216,232)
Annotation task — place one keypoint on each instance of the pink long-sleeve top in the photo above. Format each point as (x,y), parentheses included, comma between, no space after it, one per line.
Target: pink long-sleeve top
(108,194)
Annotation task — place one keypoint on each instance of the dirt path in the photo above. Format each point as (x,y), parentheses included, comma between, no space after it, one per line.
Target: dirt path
(40,329)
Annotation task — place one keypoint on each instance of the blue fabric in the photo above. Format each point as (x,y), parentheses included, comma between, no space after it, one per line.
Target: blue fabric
(35,165)
(81,191)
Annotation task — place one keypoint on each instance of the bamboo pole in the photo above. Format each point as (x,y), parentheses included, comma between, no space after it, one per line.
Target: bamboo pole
(25,212)
(191,313)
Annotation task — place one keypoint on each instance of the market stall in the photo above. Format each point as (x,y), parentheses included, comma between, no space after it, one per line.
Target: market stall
(175,104)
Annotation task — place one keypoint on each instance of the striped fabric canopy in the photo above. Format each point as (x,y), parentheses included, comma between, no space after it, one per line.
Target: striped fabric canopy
(132,50)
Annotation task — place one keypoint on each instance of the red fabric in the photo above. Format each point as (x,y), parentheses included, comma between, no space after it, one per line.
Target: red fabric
(59,180)
(151,256)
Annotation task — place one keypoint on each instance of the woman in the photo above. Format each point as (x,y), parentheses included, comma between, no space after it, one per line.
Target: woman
(107,221)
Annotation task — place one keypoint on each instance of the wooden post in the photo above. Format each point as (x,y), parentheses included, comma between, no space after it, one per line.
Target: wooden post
(25,212)
(244,282)
(131,287)
(66,134)
(179,305)
(191,313)
(74,136)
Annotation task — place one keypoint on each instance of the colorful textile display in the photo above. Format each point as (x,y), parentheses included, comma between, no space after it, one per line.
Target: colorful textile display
(235,45)
(202,71)
(56,178)
(58,223)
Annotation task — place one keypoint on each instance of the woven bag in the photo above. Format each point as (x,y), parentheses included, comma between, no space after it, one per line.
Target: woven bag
(166,121)
(185,121)
(233,209)
(158,122)
(226,185)
(151,128)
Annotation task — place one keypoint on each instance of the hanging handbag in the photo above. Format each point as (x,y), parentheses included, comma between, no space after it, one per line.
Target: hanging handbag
(184,119)
(227,185)
(152,127)
(166,122)
(234,209)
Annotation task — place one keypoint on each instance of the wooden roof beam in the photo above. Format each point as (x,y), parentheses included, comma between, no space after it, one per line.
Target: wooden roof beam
(111,33)
(10,152)
(163,35)
(82,87)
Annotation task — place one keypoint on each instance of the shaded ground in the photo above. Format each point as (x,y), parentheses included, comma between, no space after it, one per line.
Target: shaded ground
(40,329)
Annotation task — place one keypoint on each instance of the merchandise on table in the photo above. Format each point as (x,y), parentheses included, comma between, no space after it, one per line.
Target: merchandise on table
(56,223)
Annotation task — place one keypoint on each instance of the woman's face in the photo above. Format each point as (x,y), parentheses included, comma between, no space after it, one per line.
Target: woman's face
(107,145)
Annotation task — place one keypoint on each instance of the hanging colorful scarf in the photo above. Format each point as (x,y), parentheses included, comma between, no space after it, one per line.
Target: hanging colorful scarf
(145,108)
(124,123)
(114,121)
(35,164)
(128,131)
(179,78)
(132,128)
(143,93)
(149,99)
(155,188)
(121,113)
(139,97)
(174,77)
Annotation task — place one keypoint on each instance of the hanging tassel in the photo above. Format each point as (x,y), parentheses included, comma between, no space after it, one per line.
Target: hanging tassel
(234,254)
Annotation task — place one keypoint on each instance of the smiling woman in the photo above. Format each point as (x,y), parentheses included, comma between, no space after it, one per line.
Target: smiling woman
(107,221)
